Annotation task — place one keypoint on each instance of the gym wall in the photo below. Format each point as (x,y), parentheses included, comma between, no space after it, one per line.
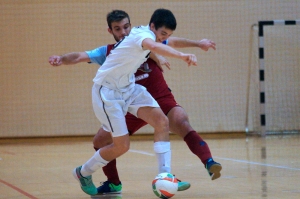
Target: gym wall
(40,100)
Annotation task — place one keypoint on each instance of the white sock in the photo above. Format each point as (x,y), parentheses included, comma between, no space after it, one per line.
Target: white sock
(93,164)
(163,155)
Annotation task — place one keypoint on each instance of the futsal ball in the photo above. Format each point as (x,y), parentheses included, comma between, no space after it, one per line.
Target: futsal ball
(165,185)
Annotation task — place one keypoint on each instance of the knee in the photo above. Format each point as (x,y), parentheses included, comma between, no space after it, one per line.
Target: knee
(101,139)
(123,147)
(162,122)
(126,147)
(165,121)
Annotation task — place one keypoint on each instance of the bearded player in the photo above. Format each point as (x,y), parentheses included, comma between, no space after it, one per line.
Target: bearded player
(150,76)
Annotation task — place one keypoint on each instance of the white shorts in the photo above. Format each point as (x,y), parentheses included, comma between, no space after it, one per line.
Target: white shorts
(111,106)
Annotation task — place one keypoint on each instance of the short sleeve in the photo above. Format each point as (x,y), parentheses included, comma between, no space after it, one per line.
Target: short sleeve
(139,37)
(98,55)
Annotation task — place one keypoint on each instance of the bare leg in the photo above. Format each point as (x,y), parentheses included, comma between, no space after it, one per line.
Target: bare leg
(102,138)
(179,124)
(156,118)
(179,121)
(119,146)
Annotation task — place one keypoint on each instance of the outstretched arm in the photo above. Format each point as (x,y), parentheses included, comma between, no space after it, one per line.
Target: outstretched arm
(204,44)
(160,61)
(167,51)
(69,58)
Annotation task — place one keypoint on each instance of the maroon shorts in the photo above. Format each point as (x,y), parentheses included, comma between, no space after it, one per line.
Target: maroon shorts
(166,103)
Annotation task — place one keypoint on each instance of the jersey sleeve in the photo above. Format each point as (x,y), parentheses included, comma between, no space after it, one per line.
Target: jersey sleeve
(98,55)
(144,35)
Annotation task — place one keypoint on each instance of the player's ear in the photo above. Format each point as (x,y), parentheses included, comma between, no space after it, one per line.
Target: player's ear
(109,30)
(152,26)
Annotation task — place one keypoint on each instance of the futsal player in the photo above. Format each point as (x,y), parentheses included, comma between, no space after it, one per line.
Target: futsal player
(115,93)
(150,76)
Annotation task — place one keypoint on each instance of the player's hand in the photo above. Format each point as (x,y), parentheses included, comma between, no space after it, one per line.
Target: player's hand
(205,44)
(55,60)
(190,59)
(162,61)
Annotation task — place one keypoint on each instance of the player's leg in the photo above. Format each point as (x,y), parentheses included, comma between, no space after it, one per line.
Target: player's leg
(113,184)
(109,111)
(179,124)
(101,139)
(100,159)
(146,108)
(156,118)
(161,143)
(108,106)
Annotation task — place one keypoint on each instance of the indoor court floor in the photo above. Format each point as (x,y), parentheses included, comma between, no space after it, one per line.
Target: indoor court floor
(253,167)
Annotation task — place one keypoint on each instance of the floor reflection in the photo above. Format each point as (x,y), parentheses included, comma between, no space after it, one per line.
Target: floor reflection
(110,196)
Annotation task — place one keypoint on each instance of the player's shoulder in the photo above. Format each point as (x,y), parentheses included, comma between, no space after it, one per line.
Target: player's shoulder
(138,29)
(100,48)
(141,27)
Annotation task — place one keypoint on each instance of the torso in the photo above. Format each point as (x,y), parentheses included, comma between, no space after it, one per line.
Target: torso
(151,78)
(117,72)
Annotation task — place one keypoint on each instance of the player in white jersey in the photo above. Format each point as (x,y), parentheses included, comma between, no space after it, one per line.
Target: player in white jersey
(122,62)
(115,93)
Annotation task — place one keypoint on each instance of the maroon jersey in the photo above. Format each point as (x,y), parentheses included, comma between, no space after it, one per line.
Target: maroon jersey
(150,76)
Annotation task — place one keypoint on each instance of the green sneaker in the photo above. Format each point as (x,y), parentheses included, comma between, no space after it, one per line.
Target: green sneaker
(108,187)
(213,168)
(182,186)
(86,183)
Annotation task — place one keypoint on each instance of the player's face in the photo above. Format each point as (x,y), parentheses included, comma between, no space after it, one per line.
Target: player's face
(120,29)
(161,33)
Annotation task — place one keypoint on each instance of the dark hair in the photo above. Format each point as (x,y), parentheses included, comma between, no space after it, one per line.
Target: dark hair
(163,17)
(116,16)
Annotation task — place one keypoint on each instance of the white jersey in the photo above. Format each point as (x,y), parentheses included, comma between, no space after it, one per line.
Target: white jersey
(117,72)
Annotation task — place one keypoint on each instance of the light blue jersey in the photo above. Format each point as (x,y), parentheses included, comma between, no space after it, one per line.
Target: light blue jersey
(98,55)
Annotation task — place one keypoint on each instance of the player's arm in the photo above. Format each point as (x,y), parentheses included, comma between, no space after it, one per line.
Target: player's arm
(69,58)
(168,51)
(160,61)
(204,44)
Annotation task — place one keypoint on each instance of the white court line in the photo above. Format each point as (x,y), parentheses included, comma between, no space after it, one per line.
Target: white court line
(258,163)
(229,159)
(141,152)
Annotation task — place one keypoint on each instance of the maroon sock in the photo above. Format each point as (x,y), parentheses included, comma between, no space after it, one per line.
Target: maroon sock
(111,172)
(198,146)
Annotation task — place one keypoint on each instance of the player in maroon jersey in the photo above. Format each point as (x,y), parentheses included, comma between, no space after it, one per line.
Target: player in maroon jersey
(150,75)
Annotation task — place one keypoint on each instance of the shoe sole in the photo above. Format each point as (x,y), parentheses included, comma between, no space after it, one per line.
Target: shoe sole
(215,170)
(184,187)
(109,193)
(75,175)
(108,196)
